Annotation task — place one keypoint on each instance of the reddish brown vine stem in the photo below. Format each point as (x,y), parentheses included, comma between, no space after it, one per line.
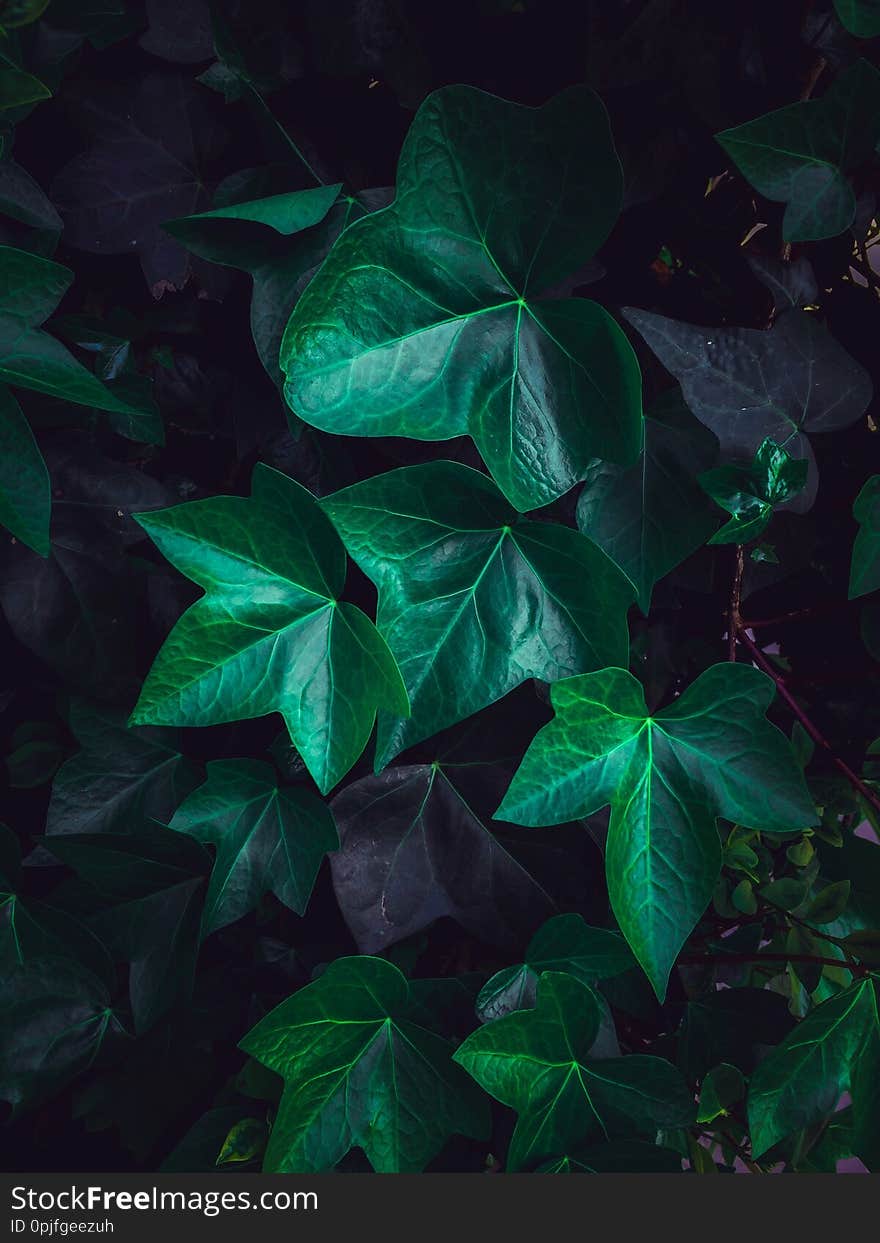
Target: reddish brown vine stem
(734,621)
(817,736)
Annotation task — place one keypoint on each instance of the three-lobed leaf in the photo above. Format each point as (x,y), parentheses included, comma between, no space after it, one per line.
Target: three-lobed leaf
(269,839)
(425,320)
(270,633)
(474,600)
(359,1072)
(667,776)
(537,1062)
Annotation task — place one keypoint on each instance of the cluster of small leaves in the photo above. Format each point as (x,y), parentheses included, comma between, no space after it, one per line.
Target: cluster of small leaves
(441,533)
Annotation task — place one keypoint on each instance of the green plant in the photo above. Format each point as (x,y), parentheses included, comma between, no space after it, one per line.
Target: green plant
(591,842)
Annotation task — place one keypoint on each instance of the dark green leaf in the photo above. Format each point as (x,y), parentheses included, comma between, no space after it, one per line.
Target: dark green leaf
(860,17)
(668,776)
(829,903)
(865,566)
(649,517)
(269,839)
(564,943)
(801,154)
(723,1086)
(25,496)
(423,321)
(472,600)
(358,1072)
(616,1157)
(120,778)
(536,1062)
(269,634)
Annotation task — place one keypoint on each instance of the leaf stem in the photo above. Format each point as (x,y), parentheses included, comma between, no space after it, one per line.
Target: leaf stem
(734,621)
(283,132)
(815,733)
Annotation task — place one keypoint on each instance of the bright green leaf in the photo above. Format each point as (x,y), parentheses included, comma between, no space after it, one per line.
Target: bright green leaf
(536,1062)
(269,634)
(749,493)
(425,320)
(358,1072)
(473,600)
(668,776)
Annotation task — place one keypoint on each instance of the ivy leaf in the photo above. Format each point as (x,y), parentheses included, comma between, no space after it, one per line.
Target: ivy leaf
(801,154)
(747,384)
(269,839)
(269,634)
(413,850)
(424,321)
(792,283)
(649,517)
(860,17)
(120,778)
(358,1072)
(30,290)
(473,600)
(723,1086)
(536,1062)
(56,1020)
(864,576)
(564,943)
(25,493)
(259,236)
(749,493)
(667,777)
(835,1048)
(18,88)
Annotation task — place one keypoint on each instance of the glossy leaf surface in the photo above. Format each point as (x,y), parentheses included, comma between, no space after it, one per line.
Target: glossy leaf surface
(423,321)
(749,493)
(535,1061)
(269,839)
(667,777)
(473,600)
(359,1072)
(269,634)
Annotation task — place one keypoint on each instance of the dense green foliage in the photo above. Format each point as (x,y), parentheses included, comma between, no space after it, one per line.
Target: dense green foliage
(441,537)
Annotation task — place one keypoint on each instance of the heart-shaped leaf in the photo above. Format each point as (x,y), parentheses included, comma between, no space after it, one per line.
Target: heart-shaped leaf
(750,493)
(667,775)
(425,319)
(473,600)
(269,634)
(359,1072)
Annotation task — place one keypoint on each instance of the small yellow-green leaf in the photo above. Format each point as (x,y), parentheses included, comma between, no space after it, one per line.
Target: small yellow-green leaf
(246,1141)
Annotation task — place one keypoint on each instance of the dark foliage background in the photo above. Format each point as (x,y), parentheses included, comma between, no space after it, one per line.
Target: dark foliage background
(138,131)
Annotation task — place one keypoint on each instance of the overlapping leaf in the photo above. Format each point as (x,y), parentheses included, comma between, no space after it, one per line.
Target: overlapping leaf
(472,601)
(269,839)
(537,1062)
(649,517)
(667,776)
(424,320)
(836,1048)
(359,1072)
(25,495)
(413,850)
(269,634)
(564,943)
(746,384)
(749,493)
(801,154)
